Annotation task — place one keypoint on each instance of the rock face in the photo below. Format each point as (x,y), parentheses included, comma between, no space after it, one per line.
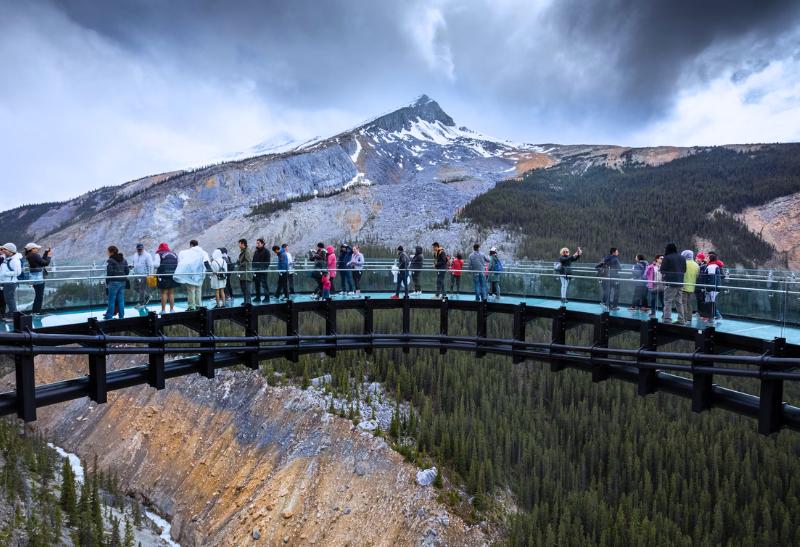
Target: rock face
(777,221)
(232,461)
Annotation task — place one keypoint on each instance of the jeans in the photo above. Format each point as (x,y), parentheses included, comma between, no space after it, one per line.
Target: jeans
(245,286)
(261,281)
(610,293)
(283,285)
(564,286)
(10,295)
(455,281)
(402,279)
(347,281)
(672,298)
(495,288)
(655,297)
(481,289)
(38,291)
(440,288)
(194,296)
(116,299)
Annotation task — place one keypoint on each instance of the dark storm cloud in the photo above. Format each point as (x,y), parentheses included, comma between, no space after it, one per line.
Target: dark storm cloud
(616,61)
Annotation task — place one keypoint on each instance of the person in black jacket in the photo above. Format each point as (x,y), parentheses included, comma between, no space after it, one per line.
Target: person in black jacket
(565,261)
(416,270)
(402,275)
(116,280)
(260,264)
(37,263)
(440,264)
(640,284)
(673,269)
(610,270)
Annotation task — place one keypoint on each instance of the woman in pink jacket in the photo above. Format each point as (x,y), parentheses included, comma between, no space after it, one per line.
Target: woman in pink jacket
(655,288)
(331,266)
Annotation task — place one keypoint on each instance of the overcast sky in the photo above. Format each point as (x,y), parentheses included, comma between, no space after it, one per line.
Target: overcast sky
(99,92)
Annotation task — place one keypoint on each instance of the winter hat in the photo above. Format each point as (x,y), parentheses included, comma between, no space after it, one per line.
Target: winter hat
(493,250)
(162,248)
(701,256)
(30,246)
(400,248)
(330,249)
(9,247)
(687,254)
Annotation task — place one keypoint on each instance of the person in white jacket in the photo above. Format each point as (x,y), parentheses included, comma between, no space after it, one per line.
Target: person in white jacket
(142,267)
(219,277)
(10,270)
(191,271)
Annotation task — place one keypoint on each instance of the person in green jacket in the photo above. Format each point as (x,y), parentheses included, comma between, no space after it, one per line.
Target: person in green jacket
(689,282)
(244,265)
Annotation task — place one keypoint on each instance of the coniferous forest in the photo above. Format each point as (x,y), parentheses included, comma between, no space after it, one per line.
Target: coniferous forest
(585,463)
(638,208)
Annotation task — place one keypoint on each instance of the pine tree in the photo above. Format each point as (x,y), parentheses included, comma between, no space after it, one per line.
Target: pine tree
(129,538)
(137,515)
(68,495)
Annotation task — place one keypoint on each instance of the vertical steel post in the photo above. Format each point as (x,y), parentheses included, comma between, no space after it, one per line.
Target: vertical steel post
(25,378)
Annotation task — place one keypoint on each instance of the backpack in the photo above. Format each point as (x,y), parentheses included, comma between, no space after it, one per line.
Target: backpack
(498,265)
(26,274)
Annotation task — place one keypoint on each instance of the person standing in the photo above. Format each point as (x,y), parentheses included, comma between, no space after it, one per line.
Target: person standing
(417,262)
(283,272)
(655,288)
(219,277)
(403,262)
(477,262)
(496,269)
(243,267)
(37,263)
(357,265)
(261,260)
(290,259)
(193,263)
(2,294)
(565,261)
(142,267)
(456,266)
(700,289)
(10,270)
(689,284)
(610,269)
(440,260)
(116,280)
(319,257)
(640,284)
(330,260)
(343,264)
(228,266)
(715,273)
(325,281)
(165,262)
(673,269)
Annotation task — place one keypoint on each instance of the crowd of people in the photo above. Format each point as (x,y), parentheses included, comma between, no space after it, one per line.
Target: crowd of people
(685,282)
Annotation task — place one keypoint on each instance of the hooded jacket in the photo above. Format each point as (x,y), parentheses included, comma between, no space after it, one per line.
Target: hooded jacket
(283,261)
(331,261)
(116,268)
(417,260)
(11,268)
(673,267)
(191,268)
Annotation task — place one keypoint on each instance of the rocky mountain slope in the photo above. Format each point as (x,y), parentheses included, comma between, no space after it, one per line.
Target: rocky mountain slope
(235,462)
(395,179)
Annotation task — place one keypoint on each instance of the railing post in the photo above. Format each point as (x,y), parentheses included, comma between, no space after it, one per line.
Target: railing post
(205,318)
(251,329)
(97,365)
(520,313)
(770,409)
(481,327)
(702,382)
(292,329)
(601,371)
(330,324)
(25,378)
(558,336)
(369,321)
(406,322)
(649,342)
(155,366)
(444,321)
